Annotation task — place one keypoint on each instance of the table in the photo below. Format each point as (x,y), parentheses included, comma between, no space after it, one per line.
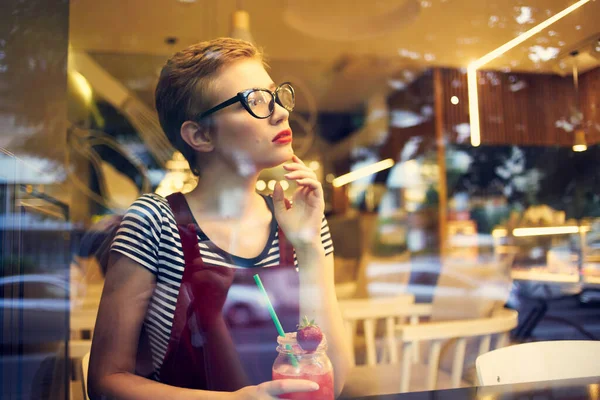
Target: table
(567,284)
(552,277)
(581,389)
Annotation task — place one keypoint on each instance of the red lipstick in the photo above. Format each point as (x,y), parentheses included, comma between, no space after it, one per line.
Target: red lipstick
(283,137)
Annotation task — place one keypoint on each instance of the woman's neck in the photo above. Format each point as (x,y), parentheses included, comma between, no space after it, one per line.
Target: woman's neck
(226,194)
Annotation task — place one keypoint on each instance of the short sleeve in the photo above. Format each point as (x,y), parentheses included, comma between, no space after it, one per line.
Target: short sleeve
(326,237)
(138,236)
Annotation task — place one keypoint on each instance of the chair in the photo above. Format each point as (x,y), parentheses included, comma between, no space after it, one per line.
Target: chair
(369,311)
(346,233)
(437,333)
(539,361)
(467,289)
(388,375)
(79,354)
(85,363)
(82,321)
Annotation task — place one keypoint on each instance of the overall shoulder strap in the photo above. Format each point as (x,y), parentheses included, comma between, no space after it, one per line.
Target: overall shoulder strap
(186,226)
(181,209)
(286,250)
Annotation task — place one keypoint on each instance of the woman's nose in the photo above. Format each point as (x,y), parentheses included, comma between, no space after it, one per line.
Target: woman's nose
(280,114)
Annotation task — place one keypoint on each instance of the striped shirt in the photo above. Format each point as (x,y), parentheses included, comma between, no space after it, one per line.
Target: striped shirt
(148,235)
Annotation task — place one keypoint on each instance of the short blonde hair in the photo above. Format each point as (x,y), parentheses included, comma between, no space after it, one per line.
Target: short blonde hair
(183,89)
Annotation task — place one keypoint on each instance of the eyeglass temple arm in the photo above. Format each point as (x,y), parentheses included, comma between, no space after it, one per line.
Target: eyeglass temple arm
(221,106)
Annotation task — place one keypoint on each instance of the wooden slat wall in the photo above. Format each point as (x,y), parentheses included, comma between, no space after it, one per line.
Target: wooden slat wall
(521,109)
(454,83)
(399,136)
(418,94)
(590,103)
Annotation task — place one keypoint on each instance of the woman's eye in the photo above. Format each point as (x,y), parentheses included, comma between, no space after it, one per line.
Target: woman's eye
(256,100)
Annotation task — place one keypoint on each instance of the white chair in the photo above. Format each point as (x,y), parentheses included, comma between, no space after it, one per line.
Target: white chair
(436,334)
(382,376)
(539,361)
(369,311)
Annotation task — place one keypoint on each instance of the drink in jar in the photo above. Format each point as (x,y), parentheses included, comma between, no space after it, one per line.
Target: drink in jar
(293,362)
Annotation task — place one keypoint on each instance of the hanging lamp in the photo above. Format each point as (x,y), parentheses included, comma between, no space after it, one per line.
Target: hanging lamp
(240,24)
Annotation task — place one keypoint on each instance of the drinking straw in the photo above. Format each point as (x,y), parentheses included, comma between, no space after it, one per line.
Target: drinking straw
(274,317)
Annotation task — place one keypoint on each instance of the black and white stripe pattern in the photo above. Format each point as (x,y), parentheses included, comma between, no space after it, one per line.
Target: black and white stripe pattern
(148,235)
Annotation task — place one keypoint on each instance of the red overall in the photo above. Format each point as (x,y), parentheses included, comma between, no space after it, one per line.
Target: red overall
(204,352)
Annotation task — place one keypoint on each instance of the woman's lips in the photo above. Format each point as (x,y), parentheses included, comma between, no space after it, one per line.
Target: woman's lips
(283,137)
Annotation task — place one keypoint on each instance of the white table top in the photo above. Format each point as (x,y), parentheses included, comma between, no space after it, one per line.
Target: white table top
(553,277)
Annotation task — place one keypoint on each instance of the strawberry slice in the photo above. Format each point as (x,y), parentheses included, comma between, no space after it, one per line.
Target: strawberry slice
(309,335)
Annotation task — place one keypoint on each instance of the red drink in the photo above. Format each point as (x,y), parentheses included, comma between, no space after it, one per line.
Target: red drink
(295,363)
(312,373)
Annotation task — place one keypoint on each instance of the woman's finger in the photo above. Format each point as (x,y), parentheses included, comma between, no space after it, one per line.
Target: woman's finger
(298,160)
(312,183)
(284,386)
(300,175)
(297,167)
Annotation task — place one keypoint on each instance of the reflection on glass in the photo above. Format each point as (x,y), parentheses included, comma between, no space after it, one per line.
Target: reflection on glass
(459,169)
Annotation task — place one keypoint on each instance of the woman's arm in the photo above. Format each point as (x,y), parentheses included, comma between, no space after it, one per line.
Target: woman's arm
(127,291)
(318,301)
(301,220)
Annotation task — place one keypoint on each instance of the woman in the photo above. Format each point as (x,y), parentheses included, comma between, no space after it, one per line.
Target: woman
(161,331)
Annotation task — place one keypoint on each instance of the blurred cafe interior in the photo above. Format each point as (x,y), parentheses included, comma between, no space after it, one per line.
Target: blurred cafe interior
(457,143)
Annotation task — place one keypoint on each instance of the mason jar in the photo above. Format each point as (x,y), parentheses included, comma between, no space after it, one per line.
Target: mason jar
(294,363)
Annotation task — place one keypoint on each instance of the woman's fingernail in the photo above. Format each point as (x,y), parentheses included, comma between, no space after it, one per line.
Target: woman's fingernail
(315,386)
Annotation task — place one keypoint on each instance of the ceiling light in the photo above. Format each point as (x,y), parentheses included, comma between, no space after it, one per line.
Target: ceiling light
(474,66)
(548,230)
(362,172)
(335,20)
(240,26)
(454,100)
(579,144)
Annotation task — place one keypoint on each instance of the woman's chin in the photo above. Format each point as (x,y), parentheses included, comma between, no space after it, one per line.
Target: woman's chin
(279,157)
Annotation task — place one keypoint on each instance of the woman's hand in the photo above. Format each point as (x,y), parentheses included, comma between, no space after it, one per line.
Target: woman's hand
(301,217)
(272,389)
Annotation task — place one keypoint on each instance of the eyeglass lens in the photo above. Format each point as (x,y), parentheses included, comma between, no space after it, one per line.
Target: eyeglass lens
(261,101)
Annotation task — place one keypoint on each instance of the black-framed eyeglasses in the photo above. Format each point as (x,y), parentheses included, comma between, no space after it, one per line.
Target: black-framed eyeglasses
(260,103)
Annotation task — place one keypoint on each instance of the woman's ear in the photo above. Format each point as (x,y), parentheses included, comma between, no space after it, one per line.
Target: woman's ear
(197,136)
